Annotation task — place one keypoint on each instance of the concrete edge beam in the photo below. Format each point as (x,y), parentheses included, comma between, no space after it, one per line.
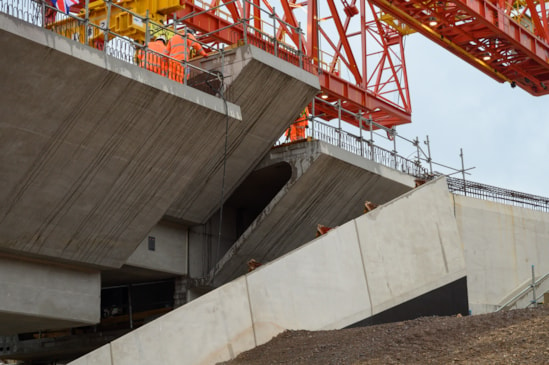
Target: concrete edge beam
(98,58)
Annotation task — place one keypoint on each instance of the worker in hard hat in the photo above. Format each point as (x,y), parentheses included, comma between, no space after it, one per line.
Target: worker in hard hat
(179,52)
(297,129)
(156,60)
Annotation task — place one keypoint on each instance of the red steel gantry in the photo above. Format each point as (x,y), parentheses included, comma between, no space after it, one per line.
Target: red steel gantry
(506,39)
(359,61)
(357,49)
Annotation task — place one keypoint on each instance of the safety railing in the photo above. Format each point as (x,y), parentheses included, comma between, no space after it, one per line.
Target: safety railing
(421,166)
(358,145)
(499,195)
(362,143)
(530,288)
(121,42)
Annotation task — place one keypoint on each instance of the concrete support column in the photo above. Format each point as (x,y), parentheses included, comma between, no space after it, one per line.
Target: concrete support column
(180,292)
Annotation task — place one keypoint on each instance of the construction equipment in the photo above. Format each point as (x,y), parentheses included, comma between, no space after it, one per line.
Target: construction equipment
(125,18)
(356,49)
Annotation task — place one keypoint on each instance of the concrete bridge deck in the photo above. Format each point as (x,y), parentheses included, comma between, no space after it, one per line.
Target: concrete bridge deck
(106,148)
(271,93)
(327,186)
(93,150)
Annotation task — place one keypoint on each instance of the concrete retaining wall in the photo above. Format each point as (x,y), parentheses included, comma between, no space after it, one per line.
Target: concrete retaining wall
(501,243)
(399,251)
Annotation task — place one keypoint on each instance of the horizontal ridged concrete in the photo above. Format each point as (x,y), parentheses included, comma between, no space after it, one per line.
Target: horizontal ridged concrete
(329,186)
(93,150)
(271,93)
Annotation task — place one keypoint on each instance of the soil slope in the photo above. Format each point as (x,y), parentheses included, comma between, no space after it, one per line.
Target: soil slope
(511,337)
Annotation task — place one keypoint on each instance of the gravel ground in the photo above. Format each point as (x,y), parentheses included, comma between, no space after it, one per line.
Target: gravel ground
(511,337)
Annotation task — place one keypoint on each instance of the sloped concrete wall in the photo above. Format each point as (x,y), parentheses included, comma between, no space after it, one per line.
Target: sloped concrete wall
(501,243)
(407,248)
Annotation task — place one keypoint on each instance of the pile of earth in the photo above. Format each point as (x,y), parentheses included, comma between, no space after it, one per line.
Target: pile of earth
(508,337)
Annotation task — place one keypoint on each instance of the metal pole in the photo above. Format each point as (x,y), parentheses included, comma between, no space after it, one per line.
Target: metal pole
(274,33)
(416,142)
(130,309)
(185,64)
(339,122)
(429,153)
(43,11)
(87,22)
(147,29)
(463,171)
(107,25)
(145,49)
(394,134)
(371,137)
(300,46)
(360,129)
(313,118)
(533,286)
(244,21)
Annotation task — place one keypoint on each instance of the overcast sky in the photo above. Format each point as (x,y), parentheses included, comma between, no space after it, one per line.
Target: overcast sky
(504,132)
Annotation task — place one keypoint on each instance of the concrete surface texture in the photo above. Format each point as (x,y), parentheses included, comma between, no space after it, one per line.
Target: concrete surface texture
(271,93)
(94,150)
(501,243)
(402,249)
(328,186)
(164,249)
(37,295)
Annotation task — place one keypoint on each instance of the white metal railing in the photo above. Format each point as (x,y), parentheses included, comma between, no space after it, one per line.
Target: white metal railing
(355,144)
(530,288)
(102,35)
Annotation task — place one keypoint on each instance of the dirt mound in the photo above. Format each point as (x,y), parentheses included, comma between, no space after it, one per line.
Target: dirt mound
(511,337)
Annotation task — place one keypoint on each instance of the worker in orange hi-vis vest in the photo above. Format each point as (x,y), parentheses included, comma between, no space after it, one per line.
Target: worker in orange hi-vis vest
(179,52)
(156,60)
(297,129)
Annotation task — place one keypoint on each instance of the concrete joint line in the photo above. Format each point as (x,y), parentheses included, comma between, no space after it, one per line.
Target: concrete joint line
(363,268)
(110,352)
(251,312)
(442,249)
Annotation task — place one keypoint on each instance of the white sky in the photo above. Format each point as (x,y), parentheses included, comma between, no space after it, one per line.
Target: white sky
(504,132)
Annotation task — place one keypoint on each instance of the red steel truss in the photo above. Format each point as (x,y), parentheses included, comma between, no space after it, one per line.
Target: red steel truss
(507,40)
(359,59)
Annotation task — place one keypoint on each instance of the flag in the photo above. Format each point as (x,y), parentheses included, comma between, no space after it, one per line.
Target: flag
(64,5)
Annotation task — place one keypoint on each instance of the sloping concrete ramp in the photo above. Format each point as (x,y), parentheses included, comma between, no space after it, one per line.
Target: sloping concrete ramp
(93,150)
(397,252)
(328,186)
(271,93)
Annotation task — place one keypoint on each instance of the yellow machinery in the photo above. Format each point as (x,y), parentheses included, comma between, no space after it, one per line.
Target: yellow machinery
(126,18)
